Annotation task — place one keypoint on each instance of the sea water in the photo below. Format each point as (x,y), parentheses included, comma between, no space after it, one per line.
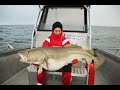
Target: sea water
(19,36)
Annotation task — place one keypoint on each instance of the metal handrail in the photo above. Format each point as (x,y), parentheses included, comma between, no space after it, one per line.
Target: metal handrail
(90,33)
(35,26)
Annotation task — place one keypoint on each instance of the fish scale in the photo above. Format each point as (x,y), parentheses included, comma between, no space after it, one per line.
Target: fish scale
(54,58)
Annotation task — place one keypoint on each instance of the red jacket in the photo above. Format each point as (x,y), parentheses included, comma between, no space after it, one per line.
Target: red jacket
(55,40)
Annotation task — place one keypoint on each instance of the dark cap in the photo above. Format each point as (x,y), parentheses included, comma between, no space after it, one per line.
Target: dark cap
(57,24)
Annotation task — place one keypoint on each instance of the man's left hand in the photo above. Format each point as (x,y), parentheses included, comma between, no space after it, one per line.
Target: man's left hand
(74,61)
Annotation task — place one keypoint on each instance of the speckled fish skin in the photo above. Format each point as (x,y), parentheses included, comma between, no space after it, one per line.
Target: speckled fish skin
(54,58)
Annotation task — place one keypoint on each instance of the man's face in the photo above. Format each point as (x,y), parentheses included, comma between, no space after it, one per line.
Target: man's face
(57,31)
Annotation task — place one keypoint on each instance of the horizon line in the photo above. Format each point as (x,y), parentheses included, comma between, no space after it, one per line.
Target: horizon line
(33,24)
(16,24)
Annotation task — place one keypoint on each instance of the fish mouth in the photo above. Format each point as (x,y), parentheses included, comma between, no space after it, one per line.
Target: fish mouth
(23,58)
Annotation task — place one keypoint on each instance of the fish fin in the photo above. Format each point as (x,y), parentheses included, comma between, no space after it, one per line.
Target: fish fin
(46,60)
(40,70)
(100,62)
(91,51)
(72,45)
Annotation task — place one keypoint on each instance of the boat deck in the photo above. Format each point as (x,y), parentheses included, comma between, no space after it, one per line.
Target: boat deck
(22,78)
(13,72)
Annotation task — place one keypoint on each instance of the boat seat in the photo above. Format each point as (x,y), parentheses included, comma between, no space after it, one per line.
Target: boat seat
(77,70)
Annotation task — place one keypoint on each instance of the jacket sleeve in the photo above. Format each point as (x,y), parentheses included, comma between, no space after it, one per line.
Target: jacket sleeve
(65,41)
(46,42)
(68,42)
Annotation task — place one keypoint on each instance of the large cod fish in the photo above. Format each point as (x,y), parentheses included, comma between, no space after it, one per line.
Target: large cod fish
(54,58)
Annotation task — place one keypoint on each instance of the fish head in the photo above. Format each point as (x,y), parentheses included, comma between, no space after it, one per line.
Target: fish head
(31,56)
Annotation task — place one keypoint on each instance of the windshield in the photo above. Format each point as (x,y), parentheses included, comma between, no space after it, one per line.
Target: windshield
(71,19)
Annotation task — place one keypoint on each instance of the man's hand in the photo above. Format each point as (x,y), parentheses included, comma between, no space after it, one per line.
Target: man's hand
(52,46)
(74,61)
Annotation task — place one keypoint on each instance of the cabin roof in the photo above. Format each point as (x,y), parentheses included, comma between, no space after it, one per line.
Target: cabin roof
(66,5)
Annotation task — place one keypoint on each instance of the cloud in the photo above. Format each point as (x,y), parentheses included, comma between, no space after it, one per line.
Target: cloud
(105,15)
(18,14)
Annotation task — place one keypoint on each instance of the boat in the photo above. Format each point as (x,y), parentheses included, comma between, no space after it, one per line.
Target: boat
(77,28)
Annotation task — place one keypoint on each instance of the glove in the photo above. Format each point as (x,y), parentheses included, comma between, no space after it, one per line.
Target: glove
(35,64)
(74,61)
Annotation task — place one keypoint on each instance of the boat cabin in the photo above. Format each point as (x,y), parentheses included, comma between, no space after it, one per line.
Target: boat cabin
(75,21)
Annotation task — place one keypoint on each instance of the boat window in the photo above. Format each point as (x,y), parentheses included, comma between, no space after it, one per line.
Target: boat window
(71,18)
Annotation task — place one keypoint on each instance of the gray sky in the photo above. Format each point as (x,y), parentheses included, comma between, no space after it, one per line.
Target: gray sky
(18,14)
(105,15)
(101,15)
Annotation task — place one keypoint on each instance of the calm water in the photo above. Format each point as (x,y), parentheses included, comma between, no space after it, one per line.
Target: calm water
(19,36)
(106,38)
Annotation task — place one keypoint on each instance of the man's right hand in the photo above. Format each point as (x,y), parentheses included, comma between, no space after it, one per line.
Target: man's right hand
(74,61)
